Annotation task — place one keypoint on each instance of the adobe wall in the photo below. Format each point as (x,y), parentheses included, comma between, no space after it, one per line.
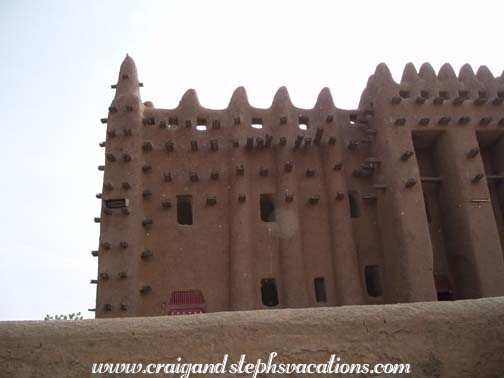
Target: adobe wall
(398,201)
(448,339)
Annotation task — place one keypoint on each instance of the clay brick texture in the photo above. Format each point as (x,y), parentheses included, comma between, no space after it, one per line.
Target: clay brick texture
(401,200)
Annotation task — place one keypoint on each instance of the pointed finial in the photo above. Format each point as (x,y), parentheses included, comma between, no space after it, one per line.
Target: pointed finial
(409,74)
(383,73)
(485,75)
(239,98)
(128,78)
(282,98)
(325,99)
(427,73)
(190,100)
(446,72)
(468,77)
(466,73)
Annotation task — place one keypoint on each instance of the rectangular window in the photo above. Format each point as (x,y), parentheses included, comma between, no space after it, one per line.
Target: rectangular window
(354,204)
(267,205)
(116,203)
(373,281)
(320,292)
(184,209)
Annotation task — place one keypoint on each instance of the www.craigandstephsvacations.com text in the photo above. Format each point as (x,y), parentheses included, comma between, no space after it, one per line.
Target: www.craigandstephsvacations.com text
(249,368)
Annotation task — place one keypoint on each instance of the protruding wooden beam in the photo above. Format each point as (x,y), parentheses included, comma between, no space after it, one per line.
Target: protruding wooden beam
(146,253)
(193,176)
(473,152)
(400,122)
(477,178)
(147,146)
(424,121)
(289,197)
(464,120)
(410,183)
(407,155)
(147,222)
(339,196)
(145,289)
(310,172)
(122,275)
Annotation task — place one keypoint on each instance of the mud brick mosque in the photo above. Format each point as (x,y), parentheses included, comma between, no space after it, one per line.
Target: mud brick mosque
(401,200)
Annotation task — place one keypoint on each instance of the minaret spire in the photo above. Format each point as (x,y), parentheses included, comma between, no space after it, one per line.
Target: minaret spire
(127,82)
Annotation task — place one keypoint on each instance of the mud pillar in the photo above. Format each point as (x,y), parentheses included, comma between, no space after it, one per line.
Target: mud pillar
(291,246)
(472,240)
(344,252)
(408,256)
(242,272)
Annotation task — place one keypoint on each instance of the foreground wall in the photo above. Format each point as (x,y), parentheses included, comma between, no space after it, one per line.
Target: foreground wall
(449,339)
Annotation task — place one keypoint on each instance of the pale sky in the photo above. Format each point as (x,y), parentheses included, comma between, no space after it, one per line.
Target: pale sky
(60,57)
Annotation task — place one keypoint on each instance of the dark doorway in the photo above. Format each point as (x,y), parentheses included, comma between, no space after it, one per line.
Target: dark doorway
(320,291)
(373,280)
(269,294)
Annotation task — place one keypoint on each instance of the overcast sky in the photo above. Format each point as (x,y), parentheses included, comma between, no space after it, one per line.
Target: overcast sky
(60,57)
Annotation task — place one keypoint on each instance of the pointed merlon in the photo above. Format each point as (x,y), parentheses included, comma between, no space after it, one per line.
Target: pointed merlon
(190,100)
(409,74)
(282,99)
(446,72)
(466,72)
(239,98)
(128,79)
(468,77)
(382,73)
(427,73)
(485,75)
(325,100)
